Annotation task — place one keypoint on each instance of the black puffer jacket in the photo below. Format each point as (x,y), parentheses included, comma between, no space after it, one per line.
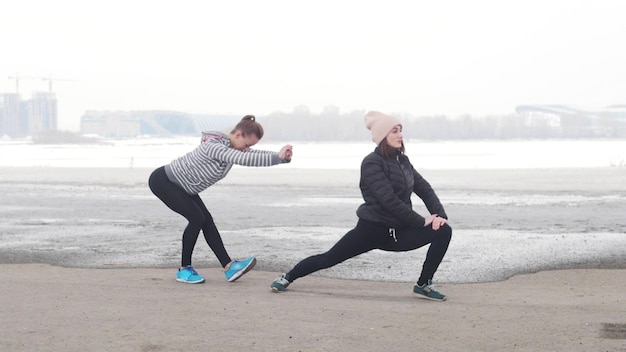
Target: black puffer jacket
(387,185)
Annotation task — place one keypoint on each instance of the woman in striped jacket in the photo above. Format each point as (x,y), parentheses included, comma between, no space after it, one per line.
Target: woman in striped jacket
(179,183)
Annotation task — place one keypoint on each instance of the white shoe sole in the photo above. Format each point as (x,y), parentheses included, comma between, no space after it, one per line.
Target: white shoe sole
(190,282)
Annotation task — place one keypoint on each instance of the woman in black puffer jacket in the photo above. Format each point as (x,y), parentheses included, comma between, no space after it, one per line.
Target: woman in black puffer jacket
(387,220)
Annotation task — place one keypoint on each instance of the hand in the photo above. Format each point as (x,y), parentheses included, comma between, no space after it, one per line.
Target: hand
(435,220)
(286,152)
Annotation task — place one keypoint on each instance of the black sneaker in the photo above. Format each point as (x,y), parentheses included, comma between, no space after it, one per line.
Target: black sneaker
(280,284)
(428,291)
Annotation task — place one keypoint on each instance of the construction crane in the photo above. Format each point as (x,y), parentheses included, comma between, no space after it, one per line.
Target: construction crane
(17,83)
(17,78)
(50,79)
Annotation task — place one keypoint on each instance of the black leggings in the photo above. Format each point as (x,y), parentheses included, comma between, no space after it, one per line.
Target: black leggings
(367,236)
(194,210)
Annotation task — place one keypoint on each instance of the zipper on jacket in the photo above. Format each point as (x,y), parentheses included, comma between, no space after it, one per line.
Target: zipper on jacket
(401,170)
(392,233)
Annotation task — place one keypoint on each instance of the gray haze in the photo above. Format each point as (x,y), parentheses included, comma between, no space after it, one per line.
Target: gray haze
(422,58)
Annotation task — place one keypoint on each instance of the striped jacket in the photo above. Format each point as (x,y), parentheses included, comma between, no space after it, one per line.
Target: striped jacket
(211,161)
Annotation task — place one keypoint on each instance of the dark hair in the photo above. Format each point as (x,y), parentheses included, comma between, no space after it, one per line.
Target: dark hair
(248,125)
(388,151)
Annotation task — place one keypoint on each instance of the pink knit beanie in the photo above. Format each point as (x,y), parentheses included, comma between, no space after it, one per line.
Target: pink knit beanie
(380,125)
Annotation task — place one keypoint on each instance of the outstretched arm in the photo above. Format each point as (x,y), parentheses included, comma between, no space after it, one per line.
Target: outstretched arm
(284,155)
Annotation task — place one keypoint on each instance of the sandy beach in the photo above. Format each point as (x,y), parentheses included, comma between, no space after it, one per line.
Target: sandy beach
(87,262)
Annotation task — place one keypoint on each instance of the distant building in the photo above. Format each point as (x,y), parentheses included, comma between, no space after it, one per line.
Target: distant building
(41,112)
(20,118)
(609,121)
(161,123)
(616,111)
(10,119)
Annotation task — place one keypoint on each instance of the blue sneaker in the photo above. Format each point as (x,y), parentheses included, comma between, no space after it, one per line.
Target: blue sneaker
(238,268)
(189,275)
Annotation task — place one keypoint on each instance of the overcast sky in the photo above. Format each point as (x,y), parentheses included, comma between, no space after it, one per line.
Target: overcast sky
(254,57)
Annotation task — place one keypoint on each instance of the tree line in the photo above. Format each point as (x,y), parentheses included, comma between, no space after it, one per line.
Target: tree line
(330,125)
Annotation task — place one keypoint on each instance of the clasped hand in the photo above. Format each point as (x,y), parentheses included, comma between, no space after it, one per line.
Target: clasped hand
(435,220)
(286,152)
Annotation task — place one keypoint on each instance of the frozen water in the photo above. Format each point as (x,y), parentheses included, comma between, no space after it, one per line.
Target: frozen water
(424,154)
(515,207)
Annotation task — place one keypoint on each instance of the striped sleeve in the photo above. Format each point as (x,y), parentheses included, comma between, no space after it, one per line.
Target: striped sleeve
(232,156)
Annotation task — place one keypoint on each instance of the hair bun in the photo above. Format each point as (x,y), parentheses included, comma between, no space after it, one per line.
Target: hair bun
(248,117)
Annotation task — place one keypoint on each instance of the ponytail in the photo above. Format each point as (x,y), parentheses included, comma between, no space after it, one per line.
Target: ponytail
(248,125)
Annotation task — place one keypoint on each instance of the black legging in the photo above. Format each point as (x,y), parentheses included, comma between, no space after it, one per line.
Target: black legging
(194,210)
(367,236)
